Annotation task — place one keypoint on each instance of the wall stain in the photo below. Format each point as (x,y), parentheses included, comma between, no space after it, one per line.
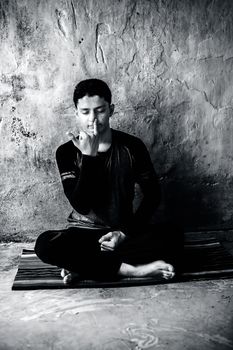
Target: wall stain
(15,85)
(40,162)
(18,130)
(24,29)
(3,23)
(18,85)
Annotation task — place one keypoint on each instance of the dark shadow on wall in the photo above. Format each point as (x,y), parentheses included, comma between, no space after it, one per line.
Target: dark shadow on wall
(190,198)
(196,202)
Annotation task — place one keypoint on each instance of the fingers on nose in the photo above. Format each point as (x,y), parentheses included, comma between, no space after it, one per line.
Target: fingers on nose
(82,135)
(92,117)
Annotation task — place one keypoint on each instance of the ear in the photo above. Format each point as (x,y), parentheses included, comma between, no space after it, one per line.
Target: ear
(111,107)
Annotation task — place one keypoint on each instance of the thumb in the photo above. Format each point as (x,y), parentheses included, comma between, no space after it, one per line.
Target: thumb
(73,138)
(106,237)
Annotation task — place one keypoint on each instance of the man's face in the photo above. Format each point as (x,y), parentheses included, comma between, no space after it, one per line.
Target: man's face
(91,108)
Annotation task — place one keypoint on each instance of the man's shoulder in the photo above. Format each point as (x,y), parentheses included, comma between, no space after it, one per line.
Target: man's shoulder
(125,138)
(66,148)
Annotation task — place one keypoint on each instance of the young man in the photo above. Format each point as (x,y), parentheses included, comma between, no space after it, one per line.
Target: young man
(99,168)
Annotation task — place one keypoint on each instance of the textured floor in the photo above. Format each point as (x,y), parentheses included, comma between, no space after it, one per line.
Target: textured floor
(196,315)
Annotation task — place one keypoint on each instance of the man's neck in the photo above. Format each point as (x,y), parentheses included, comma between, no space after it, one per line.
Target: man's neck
(105,140)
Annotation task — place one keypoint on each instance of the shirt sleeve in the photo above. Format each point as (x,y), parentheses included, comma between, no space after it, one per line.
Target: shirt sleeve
(147,179)
(77,173)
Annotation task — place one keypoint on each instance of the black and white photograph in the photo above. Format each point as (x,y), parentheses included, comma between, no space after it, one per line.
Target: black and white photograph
(116,185)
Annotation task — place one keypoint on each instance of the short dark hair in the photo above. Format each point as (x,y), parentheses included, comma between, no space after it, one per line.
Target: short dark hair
(92,87)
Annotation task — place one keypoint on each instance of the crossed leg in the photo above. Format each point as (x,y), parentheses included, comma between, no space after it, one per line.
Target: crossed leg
(158,269)
(66,250)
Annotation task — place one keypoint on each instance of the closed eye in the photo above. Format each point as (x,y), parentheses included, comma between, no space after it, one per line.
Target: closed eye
(101,110)
(84,111)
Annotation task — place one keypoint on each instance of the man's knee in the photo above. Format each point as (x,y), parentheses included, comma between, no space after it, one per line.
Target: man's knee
(43,245)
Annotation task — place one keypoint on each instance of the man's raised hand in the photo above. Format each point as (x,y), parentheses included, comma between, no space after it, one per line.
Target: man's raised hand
(87,143)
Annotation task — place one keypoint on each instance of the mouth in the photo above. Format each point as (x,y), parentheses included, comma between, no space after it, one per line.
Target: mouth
(91,126)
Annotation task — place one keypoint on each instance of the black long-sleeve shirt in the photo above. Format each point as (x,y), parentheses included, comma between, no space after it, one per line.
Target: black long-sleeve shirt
(101,188)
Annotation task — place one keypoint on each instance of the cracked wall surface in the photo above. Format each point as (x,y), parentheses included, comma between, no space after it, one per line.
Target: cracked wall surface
(169,64)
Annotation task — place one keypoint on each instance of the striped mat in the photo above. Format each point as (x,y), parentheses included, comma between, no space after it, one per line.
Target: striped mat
(203,259)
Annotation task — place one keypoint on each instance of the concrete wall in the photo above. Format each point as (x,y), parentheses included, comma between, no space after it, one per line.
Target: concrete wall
(169,64)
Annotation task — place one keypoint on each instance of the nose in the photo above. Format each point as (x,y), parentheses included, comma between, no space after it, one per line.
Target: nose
(92,116)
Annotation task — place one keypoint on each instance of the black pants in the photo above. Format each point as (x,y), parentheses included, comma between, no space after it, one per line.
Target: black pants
(78,250)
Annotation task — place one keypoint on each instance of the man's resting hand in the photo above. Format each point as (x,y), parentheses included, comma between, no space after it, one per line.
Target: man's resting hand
(111,240)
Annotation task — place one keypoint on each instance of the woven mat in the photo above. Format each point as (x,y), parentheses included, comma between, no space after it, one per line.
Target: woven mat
(203,259)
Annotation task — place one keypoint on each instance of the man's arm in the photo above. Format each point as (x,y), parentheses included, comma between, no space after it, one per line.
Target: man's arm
(78,180)
(148,182)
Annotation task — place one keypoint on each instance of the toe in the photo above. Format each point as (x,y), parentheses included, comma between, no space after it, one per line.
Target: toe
(64,272)
(70,278)
(67,279)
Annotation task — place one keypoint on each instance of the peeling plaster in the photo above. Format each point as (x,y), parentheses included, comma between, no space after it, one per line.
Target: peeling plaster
(61,22)
(99,52)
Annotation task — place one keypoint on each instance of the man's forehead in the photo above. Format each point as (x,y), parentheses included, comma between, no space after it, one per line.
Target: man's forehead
(91,101)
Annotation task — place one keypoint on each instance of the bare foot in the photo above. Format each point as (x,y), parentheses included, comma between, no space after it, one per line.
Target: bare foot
(64,272)
(69,277)
(158,269)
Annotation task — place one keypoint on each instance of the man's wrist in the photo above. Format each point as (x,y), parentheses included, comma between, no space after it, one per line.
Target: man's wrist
(122,236)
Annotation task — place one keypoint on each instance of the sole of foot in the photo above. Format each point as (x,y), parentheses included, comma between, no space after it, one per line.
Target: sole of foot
(158,269)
